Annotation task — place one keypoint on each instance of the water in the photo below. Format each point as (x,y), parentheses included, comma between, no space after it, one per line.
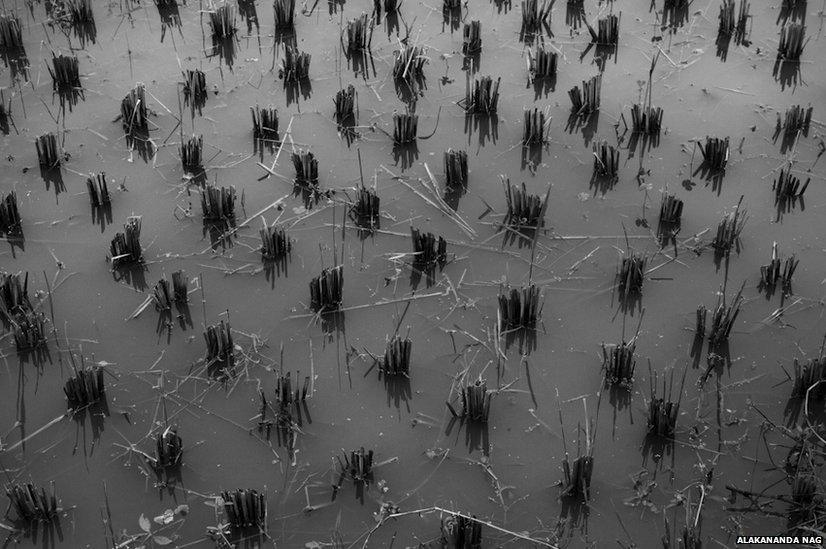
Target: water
(157,373)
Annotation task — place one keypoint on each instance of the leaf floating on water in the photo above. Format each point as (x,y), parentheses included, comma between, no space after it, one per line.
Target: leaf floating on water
(182,509)
(161,540)
(167,517)
(582,197)
(313,545)
(144,523)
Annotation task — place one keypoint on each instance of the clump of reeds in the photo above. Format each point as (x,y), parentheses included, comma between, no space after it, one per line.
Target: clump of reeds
(483,97)
(646,119)
(133,110)
(195,88)
(295,65)
(306,168)
(126,246)
(715,152)
(220,348)
(275,243)
(460,532)
(10,221)
(586,101)
(345,102)
(524,209)
(222,22)
(806,491)
(631,274)
(409,63)
(359,465)
(389,6)
(788,186)
(245,508)
(475,402)
(607,33)
(729,229)
(792,41)
(48,151)
(798,120)
(284,394)
(700,324)
(169,448)
(807,375)
(535,130)
(727,23)
(671,209)
(65,73)
(471,37)
(606,159)
(520,308)
(365,210)
(86,387)
(427,249)
(11,35)
(618,362)
(359,33)
(534,16)
(722,320)
(164,297)
(191,152)
(32,504)
(405,127)
(264,122)
(14,294)
(542,64)
(29,330)
(663,410)
(218,203)
(98,189)
(284,14)
(396,359)
(778,271)
(327,289)
(456,173)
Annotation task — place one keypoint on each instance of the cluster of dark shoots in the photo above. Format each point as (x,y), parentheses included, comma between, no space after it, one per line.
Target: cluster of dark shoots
(428,249)
(482,97)
(164,297)
(778,272)
(169,448)
(586,101)
(48,151)
(663,409)
(31,504)
(461,532)
(125,248)
(86,387)
(396,361)
(10,221)
(98,189)
(275,243)
(327,289)
(520,307)
(475,399)
(245,508)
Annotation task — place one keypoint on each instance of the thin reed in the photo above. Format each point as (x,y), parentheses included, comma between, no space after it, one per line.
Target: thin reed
(778,272)
(169,448)
(806,376)
(671,209)
(715,152)
(11,34)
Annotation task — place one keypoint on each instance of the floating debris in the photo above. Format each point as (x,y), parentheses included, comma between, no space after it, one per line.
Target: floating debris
(126,246)
(275,244)
(133,110)
(48,152)
(520,308)
(396,359)
(427,250)
(456,174)
(245,508)
(586,101)
(326,290)
(471,37)
(222,22)
(663,410)
(792,41)
(218,203)
(191,152)
(460,532)
(543,64)
(98,189)
(10,221)
(346,101)
(169,448)
(618,362)
(722,320)
(284,14)
(31,504)
(295,65)
(85,388)
(264,122)
(773,273)
(405,126)
(535,129)
(475,402)
(359,34)
(483,98)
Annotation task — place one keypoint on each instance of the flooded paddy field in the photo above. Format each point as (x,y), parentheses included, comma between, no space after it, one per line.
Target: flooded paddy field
(591,400)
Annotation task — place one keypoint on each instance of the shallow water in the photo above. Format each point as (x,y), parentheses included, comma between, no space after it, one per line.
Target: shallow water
(506,473)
